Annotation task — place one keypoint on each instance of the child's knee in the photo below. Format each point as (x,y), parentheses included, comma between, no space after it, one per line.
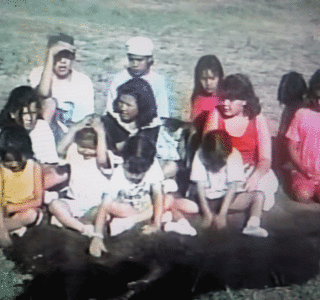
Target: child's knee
(29,216)
(56,205)
(303,196)
(258,196)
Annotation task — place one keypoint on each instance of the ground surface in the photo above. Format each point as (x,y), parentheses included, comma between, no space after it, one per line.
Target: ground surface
(262,38)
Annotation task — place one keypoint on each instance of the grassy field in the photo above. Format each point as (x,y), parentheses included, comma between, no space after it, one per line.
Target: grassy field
(263,39)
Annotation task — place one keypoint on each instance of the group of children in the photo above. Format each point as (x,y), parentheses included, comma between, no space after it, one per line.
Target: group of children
(96,184)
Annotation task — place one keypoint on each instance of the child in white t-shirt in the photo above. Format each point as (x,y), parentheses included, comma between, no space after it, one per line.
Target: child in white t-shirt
(218,171)
(85,149)
(134,193)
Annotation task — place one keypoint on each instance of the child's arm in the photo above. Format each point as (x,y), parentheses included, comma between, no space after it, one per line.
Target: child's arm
(102,148)
(294,149)
(220,219)
(44,87)
(68,139)
(157,199)
(5,240)
(38,194)
(204,207)
(264,156)
(97,245)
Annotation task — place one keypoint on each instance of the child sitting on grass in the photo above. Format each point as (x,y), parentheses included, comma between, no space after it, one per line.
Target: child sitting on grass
(218,171)
(304,148)
(20,182)
(134,193)
(85,149)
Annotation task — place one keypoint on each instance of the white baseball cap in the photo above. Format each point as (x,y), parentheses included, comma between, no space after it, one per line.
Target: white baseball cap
(139,45)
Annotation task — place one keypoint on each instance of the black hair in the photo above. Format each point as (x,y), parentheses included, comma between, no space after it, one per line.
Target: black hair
(142,92)
(216,146)
(291,89)
(19,98)
(239,87)
(15,140)
(206,62)
(314,86)
(86,134)
(138,154)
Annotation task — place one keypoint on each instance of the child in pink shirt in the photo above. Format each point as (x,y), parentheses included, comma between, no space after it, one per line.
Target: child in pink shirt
(304,146)
(207,77)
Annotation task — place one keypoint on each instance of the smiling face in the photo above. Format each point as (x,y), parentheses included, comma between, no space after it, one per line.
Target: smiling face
(128,108)
(138,64)
(232,108)
(209,81)
(63,62)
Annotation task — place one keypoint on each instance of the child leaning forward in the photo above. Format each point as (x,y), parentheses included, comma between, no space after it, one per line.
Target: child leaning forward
(134,194)
(85,149)
(218,171)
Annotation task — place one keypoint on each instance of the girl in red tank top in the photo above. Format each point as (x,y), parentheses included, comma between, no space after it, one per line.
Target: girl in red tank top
(239,114)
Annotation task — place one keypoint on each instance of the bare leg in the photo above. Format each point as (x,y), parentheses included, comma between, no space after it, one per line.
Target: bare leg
(21,219)
(61,211)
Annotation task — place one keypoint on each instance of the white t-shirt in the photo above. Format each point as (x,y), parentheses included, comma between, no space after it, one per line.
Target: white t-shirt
(217,183)
(87,182)
(123,190)
(156,82)
(78,90)
(43,143)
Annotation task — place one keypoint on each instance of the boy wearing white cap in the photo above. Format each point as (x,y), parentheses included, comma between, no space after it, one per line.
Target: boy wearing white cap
(68,95)
(140,51)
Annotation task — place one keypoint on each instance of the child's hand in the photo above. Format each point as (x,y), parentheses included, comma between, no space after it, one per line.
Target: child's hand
(207,221)
(251,183)
(97,124)
(5,240)
(149,229)
(220,221)
(97,247)
(61,46)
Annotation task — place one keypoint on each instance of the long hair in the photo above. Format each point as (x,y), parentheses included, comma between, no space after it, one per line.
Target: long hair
(206,62)
(16,140)
(239,87)
(146,102)
(314,87)
(291,89)
(19,98)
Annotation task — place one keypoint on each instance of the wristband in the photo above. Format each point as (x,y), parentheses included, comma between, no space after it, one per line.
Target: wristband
(98,235)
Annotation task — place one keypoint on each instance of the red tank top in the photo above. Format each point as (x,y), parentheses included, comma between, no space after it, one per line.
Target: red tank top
(247,144)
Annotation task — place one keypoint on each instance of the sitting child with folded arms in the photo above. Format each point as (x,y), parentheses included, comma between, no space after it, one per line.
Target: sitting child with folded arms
(133,195)
(218,171)
(85,149)
(21,184)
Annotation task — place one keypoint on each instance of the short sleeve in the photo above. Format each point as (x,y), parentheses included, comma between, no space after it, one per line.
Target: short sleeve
(198,170)
(155,173)
(235,167)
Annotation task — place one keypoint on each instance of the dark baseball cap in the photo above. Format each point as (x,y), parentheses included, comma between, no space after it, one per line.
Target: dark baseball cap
(61,37)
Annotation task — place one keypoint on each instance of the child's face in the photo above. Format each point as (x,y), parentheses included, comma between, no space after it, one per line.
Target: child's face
(87,149)
(63,63)
(209,81)
(138,64)
(132,177)
(28,117)
(128,108)
(12,164)
(233,108)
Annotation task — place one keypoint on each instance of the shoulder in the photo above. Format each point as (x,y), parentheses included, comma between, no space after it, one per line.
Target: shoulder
(78,76)
(154,76)
(121,76)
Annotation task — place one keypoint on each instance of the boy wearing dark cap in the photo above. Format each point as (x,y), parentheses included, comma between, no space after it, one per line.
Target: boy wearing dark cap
(61,87)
